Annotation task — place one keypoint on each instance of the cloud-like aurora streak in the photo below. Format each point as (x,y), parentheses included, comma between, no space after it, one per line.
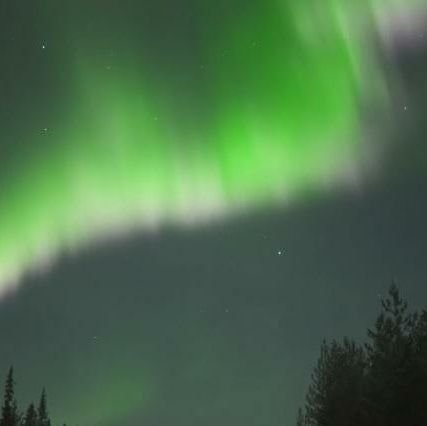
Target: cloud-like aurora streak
(262,109)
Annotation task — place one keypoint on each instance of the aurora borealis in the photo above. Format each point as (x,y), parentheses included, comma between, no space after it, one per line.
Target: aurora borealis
(237,107)
(156,156)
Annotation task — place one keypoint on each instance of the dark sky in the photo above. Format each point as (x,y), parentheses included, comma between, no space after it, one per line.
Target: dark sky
(213,325)
(210,324)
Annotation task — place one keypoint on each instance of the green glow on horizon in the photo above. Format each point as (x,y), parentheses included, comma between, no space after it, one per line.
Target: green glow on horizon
(272,115)
(112,398)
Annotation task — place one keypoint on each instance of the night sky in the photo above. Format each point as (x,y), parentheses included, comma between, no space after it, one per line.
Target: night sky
(194,194)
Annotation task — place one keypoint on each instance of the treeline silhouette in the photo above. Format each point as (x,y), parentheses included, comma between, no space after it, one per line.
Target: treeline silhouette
(12,416)
(382,382)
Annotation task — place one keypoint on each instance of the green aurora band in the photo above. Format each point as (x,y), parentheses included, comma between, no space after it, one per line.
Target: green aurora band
(258,106)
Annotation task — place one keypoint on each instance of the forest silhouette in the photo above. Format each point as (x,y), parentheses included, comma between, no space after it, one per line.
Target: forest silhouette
(382,382)
(11,414)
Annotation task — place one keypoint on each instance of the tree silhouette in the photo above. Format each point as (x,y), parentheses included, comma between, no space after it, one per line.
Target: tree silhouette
(337,385)
(31,418)
(383,383)
(43,417)
(10,415)
(391,356)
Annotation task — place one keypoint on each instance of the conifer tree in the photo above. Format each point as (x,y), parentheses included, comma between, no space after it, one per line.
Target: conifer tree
(31,418)
(9,411)
(381,384)
(43,417)
(391,355)
(334,397)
